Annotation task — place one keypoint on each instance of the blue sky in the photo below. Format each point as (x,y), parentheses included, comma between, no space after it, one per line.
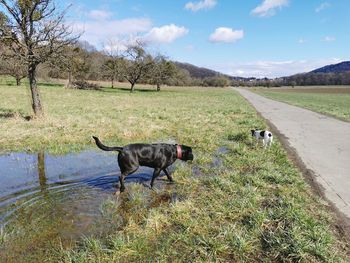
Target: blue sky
(239,37)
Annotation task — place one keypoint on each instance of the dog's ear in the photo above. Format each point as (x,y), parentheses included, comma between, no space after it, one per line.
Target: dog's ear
(252,131)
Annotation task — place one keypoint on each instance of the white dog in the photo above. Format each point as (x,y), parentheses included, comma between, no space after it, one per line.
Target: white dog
(266,136)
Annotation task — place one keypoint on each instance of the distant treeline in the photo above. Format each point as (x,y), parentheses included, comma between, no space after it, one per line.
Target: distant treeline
(307,79)
(85,62)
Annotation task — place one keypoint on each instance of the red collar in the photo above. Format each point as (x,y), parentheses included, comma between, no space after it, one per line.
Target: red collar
(179,152)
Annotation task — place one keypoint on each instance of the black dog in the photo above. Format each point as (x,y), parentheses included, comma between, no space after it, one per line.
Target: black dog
(157,156)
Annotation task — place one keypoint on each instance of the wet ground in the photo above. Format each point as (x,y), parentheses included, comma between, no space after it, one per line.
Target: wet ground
(48,202)
(216,164)
(70,189)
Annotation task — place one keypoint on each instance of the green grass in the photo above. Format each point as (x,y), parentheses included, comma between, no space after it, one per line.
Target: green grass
(253,207)
(334,104)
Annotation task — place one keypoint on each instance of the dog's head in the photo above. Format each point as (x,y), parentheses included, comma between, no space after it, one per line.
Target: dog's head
(253,132)
(186,153)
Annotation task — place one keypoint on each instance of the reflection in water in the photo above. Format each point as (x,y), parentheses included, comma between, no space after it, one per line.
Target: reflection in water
(41,171)
(75,183)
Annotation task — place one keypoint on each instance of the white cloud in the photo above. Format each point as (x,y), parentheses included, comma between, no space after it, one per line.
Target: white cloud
(322,6)
(165,34)
(205,4)
(268,7)
(119,45)
(272,69)
(99,14)
(302,41)
(328,39)
(226,35)
(98,31)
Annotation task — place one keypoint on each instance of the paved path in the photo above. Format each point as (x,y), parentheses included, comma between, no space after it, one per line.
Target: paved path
(322,143)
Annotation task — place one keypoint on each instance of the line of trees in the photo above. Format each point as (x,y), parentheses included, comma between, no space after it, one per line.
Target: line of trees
(306,79)
(134,65)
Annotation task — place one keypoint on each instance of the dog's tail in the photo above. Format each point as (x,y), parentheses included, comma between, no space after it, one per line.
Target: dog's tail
(106,148)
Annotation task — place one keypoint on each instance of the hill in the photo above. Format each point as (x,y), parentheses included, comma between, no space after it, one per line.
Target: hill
(336,74)
(197,72)
(202,73)
(334,68)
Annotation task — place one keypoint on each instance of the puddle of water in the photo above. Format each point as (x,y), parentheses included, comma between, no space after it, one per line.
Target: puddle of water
(196,171)
(68,189)
(216,163)
(217,160)
(223,150)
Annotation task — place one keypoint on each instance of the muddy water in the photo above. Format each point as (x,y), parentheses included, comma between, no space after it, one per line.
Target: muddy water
(67,191)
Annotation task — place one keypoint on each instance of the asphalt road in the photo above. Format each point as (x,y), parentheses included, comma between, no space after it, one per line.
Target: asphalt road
(321,142)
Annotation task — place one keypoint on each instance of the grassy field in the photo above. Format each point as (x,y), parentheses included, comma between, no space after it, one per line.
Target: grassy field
(250,206)
(330,100)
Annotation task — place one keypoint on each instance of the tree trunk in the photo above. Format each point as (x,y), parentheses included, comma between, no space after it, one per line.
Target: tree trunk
(69,81)
(112,82)
(132,87)
(36,104)
(158,87)
(18,80)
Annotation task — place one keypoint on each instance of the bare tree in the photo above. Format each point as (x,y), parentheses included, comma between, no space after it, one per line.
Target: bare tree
(182,77)
(76,63)
(161,70)
(80,63)
(11,65)
(67,63)
(64,64)
(35,31)
(113,67)
(137,63)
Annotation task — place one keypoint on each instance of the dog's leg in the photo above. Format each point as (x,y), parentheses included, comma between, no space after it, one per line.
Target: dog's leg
(264,143)
(121,181)
(123,175)
(170,178)
(256,142)
(155,175)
